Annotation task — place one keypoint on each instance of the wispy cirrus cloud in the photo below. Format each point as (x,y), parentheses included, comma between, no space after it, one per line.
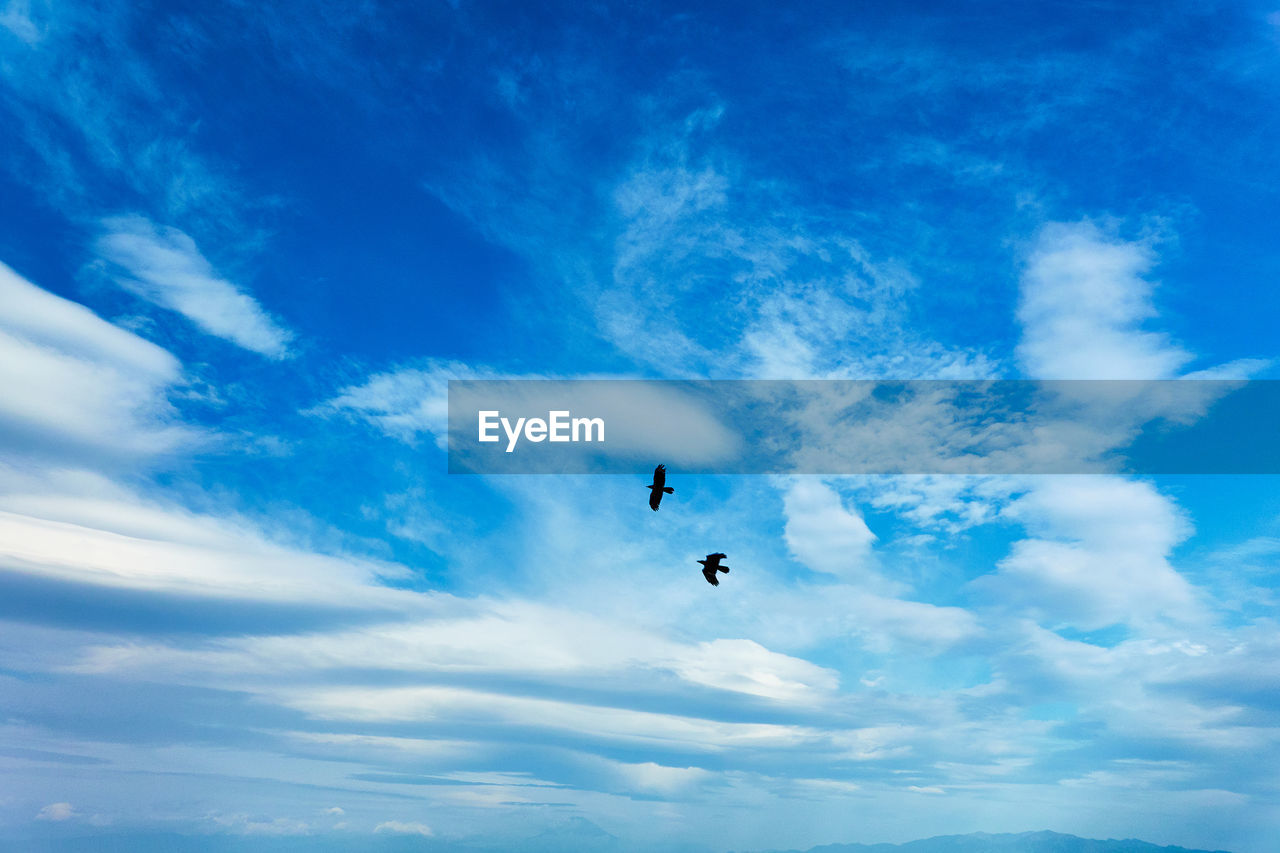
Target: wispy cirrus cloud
(405,402)
(82,123)
(165,267)
(16,19)
(806,297)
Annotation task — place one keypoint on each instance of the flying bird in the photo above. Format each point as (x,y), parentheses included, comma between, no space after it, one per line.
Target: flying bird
(658,486)
(710,566)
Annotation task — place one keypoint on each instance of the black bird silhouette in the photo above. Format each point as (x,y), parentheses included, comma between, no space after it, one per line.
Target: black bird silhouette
(711,565)
(658,486)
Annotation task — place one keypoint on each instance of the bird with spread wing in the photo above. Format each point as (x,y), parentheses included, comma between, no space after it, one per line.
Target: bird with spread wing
(658,487)
(710,566)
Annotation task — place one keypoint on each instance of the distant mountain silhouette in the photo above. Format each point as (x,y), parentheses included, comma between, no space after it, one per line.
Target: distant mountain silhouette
(1022,842)
(575,835)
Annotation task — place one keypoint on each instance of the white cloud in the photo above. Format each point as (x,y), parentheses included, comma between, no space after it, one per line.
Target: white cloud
(495,637)
(825,535)
(97,533)
(165,267)
(1136,773)
(1104,511)
(811,616)
(73,381)
(399,827)
(949,503)
(596,722)
(46,320)
(745,666)
(651,777)
(365,747)
(1241,368)
(1100,557)
(56,812)
(886,623)
(405,402)
(1194,688)
(1084,299)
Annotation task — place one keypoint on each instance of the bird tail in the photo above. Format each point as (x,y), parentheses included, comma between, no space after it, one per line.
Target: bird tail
(724,569)
(669,490)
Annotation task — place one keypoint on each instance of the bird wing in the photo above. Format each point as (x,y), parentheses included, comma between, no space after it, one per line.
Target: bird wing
(710,574)
(655,498)
(715,558)
(660,476)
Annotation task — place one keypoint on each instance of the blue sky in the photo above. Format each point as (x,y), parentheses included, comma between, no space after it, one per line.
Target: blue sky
(245,248)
